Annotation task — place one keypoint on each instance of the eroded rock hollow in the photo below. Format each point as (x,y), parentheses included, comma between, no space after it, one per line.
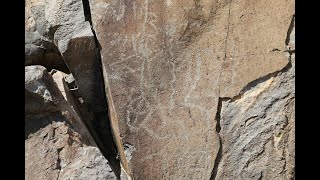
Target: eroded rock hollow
(192,89)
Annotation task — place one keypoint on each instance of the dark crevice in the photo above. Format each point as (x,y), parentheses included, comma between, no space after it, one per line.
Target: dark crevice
(290,30)
(217,162)
(58,167)
(51,32)
(96,116)
(59,160)
(261,176)
(218,129)
(275,49)
(87,11)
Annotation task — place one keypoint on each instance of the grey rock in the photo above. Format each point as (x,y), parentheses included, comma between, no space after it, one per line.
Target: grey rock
(39,46)
(257,130)
(57,143)
(68,106)
(92,165)
(61,12)
(76,44)
(39,91)
(53,150)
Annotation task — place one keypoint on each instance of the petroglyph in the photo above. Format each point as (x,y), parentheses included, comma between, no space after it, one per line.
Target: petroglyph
(166,64)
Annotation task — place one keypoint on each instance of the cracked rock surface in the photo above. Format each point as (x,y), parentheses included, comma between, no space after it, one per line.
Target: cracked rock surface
(257,131)
(172,89)
(56,151)
(167,63)
(57,144)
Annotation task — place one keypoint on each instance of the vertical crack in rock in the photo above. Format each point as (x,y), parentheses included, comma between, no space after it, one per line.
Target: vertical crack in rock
(277,78)
(261,176)
(102,127)
(218,129)
(58,167)
(290,30)
(87,12)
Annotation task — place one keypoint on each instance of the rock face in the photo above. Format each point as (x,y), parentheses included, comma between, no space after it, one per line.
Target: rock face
(55,151)
(77,46)
(57,144)
(39,46)
(166,63)
(257,131)
(174,89)
(76,43)
(43,17)
(38,91)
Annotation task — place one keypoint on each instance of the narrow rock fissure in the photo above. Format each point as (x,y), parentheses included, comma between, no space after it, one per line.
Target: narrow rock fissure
(58,165)
(290,30)
(99,125)
(218,129)
(59,160)
(87,11)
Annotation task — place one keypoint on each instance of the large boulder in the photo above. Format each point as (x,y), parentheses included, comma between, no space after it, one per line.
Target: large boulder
(165,65)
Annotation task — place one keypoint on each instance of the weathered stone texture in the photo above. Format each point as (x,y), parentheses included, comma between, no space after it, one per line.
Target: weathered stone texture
(57,143)
(40,92)
(77,46)
(55,151)
(39,47)
(257,131)
(166,63)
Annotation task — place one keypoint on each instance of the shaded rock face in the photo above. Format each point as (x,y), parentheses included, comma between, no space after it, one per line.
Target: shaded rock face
(59,37)
(57,143)
(165,65)
(77,45)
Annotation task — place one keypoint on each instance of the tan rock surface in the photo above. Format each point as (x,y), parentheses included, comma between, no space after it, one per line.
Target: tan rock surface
(166,63)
